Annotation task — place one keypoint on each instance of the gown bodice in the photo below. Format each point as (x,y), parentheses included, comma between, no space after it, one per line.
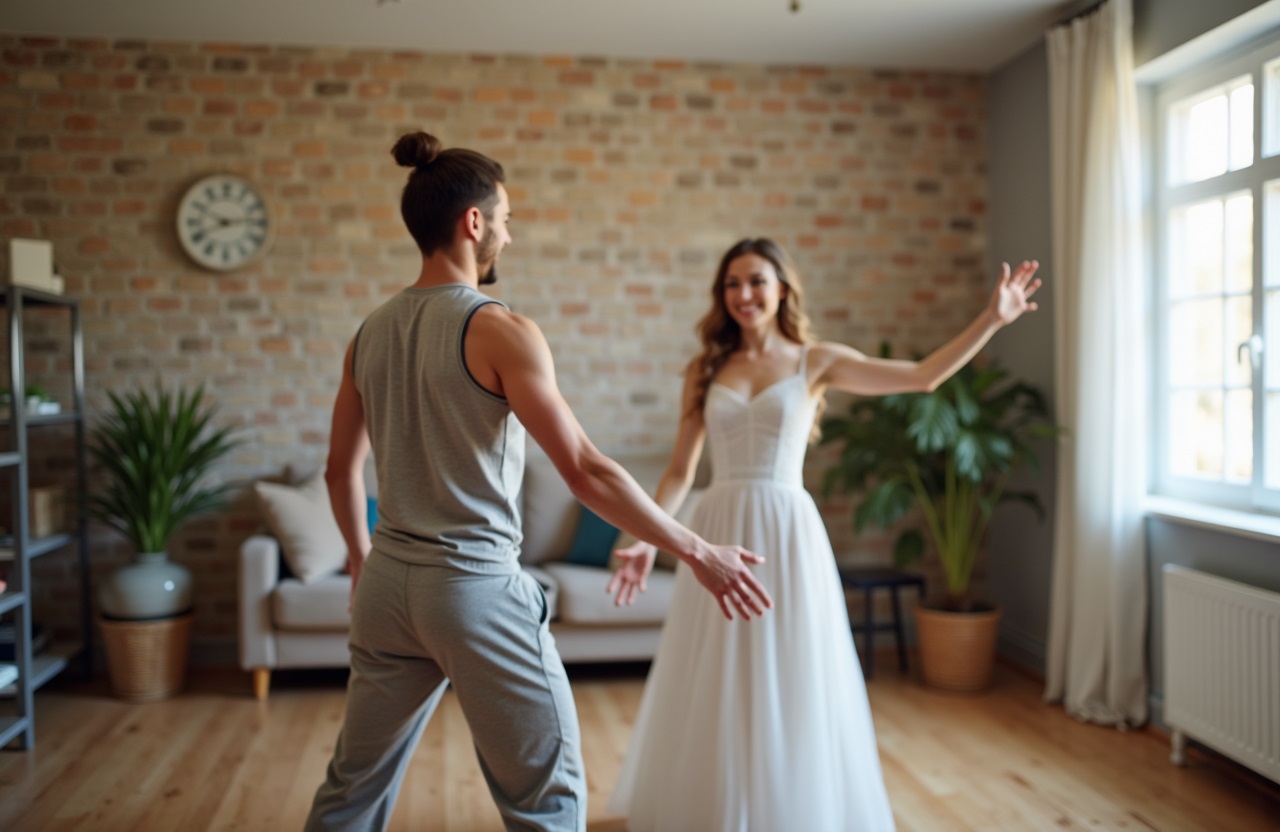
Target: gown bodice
(762,438)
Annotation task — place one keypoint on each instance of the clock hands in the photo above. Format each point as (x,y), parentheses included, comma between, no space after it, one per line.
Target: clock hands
(222,219)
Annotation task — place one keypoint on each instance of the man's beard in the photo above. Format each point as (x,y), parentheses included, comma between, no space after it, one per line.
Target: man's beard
(488,252)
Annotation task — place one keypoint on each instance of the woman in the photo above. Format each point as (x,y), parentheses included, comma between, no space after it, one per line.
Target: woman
(767,727)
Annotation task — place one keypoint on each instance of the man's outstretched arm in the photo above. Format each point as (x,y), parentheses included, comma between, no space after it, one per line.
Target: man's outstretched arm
(508,355)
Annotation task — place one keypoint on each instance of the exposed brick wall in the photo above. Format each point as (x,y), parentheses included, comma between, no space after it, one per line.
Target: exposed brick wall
(628,179)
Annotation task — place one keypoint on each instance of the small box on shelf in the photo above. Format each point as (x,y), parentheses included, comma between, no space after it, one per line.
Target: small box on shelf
(31,265)
(47,510)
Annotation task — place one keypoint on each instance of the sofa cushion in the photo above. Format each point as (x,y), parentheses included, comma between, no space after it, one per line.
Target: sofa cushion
(582,598)
(593,541)
(319,605)
(551,512)
(301,519)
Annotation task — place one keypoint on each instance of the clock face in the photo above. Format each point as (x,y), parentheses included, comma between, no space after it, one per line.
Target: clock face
(223,222)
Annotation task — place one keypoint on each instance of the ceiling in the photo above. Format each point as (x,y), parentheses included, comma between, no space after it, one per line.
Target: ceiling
(950,35)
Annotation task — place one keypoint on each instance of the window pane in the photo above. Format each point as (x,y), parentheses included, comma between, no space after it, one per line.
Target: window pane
(1271,100)
(1242,127)
(1239,242)
(1239,437)
(1196,355)
(1271,235)
(1271,465)
(1271,344)
(1211,132)
(1195,435)
(1203,146)
(1195,249)
(1239,370)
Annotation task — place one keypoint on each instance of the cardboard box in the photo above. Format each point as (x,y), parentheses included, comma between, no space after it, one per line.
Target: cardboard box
(31,265)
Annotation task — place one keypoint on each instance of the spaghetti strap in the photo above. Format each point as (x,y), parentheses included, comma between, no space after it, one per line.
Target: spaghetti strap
(804,359)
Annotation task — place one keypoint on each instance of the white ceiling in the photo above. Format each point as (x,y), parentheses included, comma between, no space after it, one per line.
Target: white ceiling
(957,35)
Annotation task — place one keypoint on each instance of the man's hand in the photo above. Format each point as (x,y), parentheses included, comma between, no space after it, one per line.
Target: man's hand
(632,574)
(723,572)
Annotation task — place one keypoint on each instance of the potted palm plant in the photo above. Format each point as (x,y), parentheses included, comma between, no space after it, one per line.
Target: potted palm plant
(949,454)
(154,450)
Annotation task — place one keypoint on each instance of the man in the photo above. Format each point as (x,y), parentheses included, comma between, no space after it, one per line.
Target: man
(442,383)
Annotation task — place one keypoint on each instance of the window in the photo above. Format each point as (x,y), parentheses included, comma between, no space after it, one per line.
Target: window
(1216,198)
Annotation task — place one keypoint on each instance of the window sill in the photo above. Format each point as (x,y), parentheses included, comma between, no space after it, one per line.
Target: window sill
(1228,521)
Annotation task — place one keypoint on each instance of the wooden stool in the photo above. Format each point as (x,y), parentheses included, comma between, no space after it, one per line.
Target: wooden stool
(868,580)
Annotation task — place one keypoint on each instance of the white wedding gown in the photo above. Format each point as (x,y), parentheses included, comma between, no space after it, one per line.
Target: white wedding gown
(759,726)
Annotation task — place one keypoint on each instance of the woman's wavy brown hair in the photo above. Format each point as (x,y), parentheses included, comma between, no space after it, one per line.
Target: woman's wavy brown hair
(720,333)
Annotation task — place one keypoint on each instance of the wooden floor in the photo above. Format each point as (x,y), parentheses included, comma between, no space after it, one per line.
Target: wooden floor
(214,758)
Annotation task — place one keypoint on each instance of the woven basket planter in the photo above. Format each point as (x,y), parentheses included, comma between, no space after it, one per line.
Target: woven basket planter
(147,659)
(957,649)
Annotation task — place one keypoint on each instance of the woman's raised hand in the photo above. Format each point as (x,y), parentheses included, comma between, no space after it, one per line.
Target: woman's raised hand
(631,576)
(1013,292)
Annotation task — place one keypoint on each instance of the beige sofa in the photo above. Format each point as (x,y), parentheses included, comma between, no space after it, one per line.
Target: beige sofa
(286,623)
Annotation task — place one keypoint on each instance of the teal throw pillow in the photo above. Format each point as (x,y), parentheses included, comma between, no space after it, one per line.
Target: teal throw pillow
(593,542)
(372,513)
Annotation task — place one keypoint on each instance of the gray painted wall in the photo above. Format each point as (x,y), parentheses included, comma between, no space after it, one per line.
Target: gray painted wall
(1019,544)
(1161,25)
(1019,548)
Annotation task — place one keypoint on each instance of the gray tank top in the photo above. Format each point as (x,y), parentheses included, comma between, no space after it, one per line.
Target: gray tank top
(449,454)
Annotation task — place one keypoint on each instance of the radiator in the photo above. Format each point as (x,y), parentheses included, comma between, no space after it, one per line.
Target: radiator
(1222,668)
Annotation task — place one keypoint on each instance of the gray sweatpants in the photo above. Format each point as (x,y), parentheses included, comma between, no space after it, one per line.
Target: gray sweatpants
(415,629)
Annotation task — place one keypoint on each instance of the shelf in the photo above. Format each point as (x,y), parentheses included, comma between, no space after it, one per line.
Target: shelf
(37,297)
(11,600)
(45,666)
(18,424)
(38,547)
(35,420)
(66,417)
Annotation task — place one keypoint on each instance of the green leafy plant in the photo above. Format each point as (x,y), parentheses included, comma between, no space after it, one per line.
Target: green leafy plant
(155,449)
(949,453)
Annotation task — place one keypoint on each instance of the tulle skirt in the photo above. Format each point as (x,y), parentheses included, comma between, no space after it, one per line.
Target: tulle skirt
(759,726)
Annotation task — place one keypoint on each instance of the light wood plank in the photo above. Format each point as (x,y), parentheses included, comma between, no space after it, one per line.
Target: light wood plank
(215,758)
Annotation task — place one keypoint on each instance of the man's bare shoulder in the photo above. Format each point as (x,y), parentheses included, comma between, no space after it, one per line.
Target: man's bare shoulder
(498,318)
(496,324)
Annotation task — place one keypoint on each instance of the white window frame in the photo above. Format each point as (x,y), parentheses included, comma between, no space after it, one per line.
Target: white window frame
(1253,178)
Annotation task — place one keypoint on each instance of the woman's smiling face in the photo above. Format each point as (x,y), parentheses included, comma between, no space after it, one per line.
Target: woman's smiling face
(752,291)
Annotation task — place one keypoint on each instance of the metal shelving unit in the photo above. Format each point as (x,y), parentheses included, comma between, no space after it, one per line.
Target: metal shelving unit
(35,670)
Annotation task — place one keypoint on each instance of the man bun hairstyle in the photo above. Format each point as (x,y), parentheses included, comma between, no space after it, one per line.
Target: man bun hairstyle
(416,150)
(443,185)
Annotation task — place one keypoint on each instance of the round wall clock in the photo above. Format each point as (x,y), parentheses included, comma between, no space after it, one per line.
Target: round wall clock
(223,222)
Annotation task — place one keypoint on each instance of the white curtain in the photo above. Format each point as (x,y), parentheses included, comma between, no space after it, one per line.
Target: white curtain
(1097,629)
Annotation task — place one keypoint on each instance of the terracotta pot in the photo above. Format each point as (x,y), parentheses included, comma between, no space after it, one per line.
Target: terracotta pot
(957,649)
